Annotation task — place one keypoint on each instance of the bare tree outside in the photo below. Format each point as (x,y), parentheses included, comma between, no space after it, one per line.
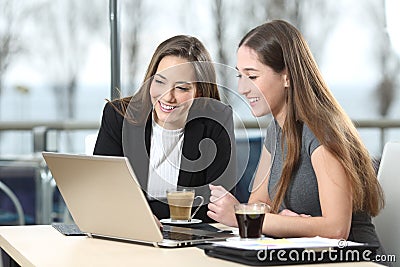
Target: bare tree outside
(220,25)
(133,15)
(231,21)
(66,29)
(218,8)
(387,61)
(315,19)
(284,9)
(14,16)
(9,45)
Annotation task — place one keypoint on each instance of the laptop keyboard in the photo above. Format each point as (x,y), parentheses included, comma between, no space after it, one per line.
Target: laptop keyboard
(181,236)
(68,229)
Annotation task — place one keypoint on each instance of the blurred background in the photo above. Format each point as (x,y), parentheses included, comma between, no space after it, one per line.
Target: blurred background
(55,55)
(56,64)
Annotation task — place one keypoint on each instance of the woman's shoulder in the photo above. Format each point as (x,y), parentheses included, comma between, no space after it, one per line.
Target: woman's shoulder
(117,106)
(307,132)
(110,109)
(113,111)
(310,141)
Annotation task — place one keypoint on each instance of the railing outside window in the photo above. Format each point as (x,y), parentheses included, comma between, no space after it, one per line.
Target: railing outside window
(40,130)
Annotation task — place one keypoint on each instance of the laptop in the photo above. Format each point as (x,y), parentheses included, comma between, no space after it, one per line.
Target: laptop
(105,200)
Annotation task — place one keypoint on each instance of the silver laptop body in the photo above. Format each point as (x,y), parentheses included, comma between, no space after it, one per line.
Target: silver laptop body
(106,200)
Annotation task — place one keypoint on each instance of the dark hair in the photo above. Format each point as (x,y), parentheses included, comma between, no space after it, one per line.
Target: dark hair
(183,46)
(281,46)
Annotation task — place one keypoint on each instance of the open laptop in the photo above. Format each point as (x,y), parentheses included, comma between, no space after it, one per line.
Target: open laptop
(106,200)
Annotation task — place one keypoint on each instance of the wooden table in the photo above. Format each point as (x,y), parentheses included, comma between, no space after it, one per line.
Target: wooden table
(42,245)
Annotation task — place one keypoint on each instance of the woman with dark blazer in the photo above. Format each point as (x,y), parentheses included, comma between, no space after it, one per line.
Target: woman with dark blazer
(175,131)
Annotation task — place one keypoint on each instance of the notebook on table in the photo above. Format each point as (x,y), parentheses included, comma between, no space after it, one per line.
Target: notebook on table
(284,251)
(106,200)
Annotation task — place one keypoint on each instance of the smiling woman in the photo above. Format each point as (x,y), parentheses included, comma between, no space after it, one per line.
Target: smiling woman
(175,131)
(314,171)
(172,92)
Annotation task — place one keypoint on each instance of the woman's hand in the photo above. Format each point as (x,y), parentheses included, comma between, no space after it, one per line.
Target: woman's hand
(221,207)
(287,212)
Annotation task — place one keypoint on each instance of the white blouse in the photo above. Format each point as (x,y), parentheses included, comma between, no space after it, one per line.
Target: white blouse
(165,160)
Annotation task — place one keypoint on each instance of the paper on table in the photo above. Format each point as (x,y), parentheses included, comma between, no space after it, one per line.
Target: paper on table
(283,243)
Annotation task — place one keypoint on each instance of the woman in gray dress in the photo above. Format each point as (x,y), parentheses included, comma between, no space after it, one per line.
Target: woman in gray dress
(314,171)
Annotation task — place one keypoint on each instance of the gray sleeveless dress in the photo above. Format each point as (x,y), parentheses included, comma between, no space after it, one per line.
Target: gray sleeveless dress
(302,195)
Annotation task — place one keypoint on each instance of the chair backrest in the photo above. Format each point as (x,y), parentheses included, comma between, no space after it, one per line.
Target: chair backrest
(90,142)
(387,223)
(15,201)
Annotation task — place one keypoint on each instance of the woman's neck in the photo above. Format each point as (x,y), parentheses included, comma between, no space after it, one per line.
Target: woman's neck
(280,116)
(179,124)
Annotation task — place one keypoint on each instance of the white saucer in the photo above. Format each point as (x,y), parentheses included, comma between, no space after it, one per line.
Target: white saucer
(169,221)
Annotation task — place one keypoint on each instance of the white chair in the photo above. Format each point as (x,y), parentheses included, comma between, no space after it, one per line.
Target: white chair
(387,223)
(15,201)
(18,208)
(90,142)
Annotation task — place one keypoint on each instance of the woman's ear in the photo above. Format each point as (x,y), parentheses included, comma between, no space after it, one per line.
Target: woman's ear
(286,83)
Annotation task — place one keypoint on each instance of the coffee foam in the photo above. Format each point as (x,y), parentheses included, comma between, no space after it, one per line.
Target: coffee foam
(249,212)
(180,195)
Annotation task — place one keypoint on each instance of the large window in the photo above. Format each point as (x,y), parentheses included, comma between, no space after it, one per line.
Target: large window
(54,65)
(55,55)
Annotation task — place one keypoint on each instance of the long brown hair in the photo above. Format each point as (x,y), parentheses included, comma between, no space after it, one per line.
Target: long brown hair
(183,46)
(281,46)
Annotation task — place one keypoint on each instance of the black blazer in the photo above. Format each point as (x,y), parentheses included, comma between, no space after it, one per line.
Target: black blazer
(208,152)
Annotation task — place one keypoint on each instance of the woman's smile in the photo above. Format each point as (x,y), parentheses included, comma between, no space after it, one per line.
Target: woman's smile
(166,108)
